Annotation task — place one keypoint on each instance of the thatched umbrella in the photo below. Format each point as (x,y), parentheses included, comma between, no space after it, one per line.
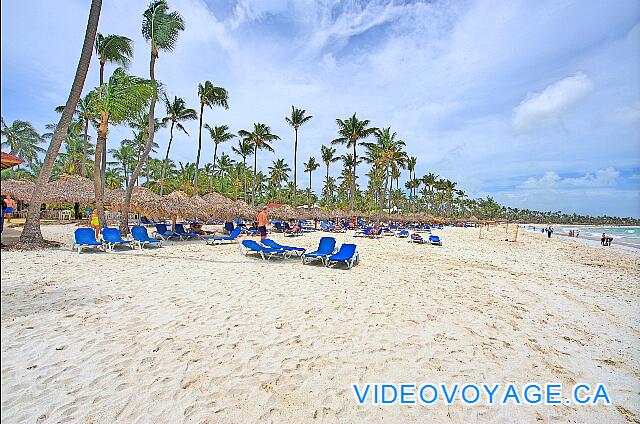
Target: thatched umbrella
(18,189)
(284,212)
(178,204)
(71,189)
(219,205)
(243,210)
(143,201)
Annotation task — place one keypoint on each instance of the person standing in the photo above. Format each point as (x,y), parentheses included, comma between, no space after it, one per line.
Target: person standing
(11,206)
(262,223)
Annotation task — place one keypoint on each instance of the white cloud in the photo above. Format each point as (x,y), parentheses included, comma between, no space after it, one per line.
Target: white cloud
(607,177)
(627,115)
(546,108)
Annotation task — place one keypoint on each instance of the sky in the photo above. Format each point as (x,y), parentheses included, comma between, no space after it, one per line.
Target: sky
(535,103)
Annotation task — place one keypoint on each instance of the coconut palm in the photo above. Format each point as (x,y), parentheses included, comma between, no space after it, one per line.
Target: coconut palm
(113,48)
(351,131)
(225,165)
(328,157)
(219,134)
(210,96)
(31,233)
(278,173)
(260,138)
(125,156)
(161,28)
(116,49)
(244,150)
(22,140)
(177,112)
(120,100)
(296,119)
(310,166)
(84,114)
(411,167)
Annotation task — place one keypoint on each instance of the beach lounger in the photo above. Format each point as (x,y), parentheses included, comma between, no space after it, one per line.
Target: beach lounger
(402,234)
(223,239)
(363,233)
(164,233)
(112,238)
(348,254)
(326,248)
(141,237)
(179,229)
(252,246)
(417,238)
(228,227)
(275,245)
(435,240)
(85,237)
(375,234)
(278,227)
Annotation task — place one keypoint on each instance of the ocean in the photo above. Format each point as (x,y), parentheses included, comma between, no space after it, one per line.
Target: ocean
(630,235)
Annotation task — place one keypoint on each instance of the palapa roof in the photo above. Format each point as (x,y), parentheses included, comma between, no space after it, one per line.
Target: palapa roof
(143,201)
(72,188)
(18,189)
(7,161)
(178,204)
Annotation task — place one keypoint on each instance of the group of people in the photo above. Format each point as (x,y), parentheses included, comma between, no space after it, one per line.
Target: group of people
(574,233)
(606,240)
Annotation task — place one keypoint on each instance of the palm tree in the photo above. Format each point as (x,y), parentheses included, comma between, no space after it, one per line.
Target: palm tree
(429,182)
(260,138)
(225,164)
(411,167)
(210,96)
(328,157)
(309,167)
(278,173)
(115,49)
(351,131)
(31,233)
(244,149)
(161,29)
(296,119)
(219,134)
(84,114)
(125,156)
(177,111)
(121,99)
(22,140)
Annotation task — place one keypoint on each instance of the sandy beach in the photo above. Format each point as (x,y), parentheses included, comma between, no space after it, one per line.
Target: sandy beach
(198,333)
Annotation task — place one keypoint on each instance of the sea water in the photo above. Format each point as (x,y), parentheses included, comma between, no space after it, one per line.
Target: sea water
(629,235)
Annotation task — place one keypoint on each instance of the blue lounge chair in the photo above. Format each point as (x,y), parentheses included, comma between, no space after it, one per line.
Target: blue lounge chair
(417,238)
(435,240)
(278,227)
(375,234)
(348,254)
(112,238)
(363,233)
(141,237)
(402,234)
(292,249)
(265,253)
(165,233)
(223,239)
(179,229)
(326,248)
(85,237)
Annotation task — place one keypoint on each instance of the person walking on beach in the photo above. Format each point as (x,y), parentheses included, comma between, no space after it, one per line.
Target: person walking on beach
(549,231)
(262,223)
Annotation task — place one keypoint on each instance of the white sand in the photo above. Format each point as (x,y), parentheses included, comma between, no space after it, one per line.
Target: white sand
(197,333)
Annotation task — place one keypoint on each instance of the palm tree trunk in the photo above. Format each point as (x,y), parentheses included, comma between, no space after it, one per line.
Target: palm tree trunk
(166,158)
(31,233)
(195,175)
(98,183)
(309,194)
(255,169)
(85,146)
(295,170)
(244,174)
(124,218)
(353,181)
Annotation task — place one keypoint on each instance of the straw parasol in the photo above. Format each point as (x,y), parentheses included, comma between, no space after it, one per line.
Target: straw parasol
(219,205)
(70,189)
(284,212)
(178,204)
(143,201)
(243,210)
(18,189)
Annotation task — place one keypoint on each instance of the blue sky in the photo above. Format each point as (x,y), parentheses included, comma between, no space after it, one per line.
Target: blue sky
(536,103)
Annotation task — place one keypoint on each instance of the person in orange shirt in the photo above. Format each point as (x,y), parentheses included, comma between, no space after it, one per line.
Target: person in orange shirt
(262,223)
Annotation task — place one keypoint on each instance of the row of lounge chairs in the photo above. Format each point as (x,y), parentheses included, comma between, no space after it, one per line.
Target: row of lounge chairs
(110,238)
(326,252)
